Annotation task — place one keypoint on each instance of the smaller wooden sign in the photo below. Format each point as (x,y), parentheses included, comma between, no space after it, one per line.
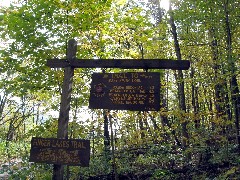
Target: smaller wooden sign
(74,152)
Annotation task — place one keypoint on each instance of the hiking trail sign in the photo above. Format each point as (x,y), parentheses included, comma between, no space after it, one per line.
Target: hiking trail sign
(136,91)
(71,62)
(74,152)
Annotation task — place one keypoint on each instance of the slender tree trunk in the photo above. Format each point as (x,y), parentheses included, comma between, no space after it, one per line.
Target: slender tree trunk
(232,67)
(145,121)
(3,100)
(216,67)
(180,81)
(221,100)
(164,118)
(195,103)
(141,126)
(106,131)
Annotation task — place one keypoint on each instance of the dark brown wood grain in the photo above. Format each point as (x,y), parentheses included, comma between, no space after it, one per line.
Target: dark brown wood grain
(121,63)
(60,151)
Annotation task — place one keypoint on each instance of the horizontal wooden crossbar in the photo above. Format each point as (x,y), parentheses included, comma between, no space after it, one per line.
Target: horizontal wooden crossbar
(121,63)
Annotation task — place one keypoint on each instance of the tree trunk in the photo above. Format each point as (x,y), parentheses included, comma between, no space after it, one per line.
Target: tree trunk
(233,79)
(3,100)
(180,82)
(164,118)
(106,131)
(220,84)
(195,103)
(142,129)
(216,67)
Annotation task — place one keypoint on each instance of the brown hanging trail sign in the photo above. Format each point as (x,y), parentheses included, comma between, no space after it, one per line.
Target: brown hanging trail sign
(135,91)
(140,92)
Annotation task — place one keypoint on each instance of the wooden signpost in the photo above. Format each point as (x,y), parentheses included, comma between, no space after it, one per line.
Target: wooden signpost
(137,95)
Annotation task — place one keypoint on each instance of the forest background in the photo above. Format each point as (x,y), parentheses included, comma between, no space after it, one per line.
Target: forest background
(195,134)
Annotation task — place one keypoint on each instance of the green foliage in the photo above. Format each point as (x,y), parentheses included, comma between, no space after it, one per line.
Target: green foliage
(33,171)
(162,174)
(46,130)
(148,145)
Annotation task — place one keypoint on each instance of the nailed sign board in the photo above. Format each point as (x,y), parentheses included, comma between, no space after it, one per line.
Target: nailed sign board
(60,151)
(136,91)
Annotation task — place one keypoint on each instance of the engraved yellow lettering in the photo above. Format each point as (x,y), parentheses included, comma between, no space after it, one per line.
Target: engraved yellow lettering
(53,143)
(81,145)
(74,144)
(42,142)
(65,144)
(59,143)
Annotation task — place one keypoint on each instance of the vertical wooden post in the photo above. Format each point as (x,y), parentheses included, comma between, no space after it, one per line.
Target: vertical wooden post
(62,133)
